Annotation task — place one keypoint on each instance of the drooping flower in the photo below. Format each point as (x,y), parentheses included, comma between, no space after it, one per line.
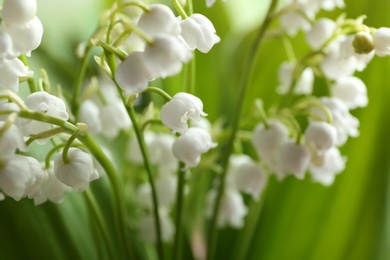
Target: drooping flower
(294,158)
(37,178)
(114,118)
(10,71)
(189,147)
(199,33)
(352,91)
(321,135)
(381,38)
(320,32)
(78,172)
(232,208)
(246,176)
(89,114)
(176,112)
(19,11)
(11,139)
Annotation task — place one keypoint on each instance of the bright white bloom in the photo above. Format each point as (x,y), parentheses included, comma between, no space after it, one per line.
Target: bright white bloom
(382,41)
(78,172)
(159,20)
(165,189)
(132,75)
(346,124)
(47,104)
(324,167)
(304,84)
(15,176)
(6,106)
(329,5)
(198,32)
(352,91)
(294,159)
(320,32)
(25,38)
(188,147)
(246,176)
(51,189)
(89,114)
(321,135)
(38,176)
(147,227)
(268,140)
(292,22)
(10,71)
(19,11)
(176,112)
(164,57)
(114,118)
(6,46)
(11,139)
(232,208)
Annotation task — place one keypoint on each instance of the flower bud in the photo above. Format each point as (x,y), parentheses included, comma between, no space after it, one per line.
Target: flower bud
(294,159)
(322,135)
(363,43)
(382,41)
(78,172)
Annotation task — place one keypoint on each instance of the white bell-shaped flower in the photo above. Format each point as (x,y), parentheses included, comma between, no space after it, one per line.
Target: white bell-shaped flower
(324,167)
(78,172)
(89,114)
(147,227)
(10,71)
(382,41)
(11,139)
(165,188)
(176,112)
(114,118)
(303,85)
(294,159)
(345,124)
(232,208)
(15,176)
(19,11)
(26,38)
(7,106)
(322,30)
(199,33)
(246,176)
(329,5)
(161,154)
(164,57)
(189,147)
(51,189)
(159,20)
(38,177)
(6,46)
(347,51)
(132,75)
(292,22)
(321,135)
(352,91)
(47,104)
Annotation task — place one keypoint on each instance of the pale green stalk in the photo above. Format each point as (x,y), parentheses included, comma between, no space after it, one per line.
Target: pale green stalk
(179,213)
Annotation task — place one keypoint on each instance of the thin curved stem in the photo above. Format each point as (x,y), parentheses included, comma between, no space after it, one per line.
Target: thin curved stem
(212,234)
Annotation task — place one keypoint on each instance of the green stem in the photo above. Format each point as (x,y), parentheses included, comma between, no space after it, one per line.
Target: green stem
(65,156)
(247,72)
(148,168)
(149,122)
(159,91)
(50,154)
(179,9)
(79,80)
(98,216)
(179,213)
(30,81)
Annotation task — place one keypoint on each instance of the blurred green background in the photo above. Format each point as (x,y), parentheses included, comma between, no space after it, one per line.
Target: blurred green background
(299,219)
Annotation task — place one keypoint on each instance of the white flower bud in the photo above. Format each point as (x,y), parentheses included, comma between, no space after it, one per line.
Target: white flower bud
(159,20)
(132,75)
(176,112)
(47,104)
(188,147)
(352,91)
(114,118)
(89,114)
(15,175)
(198,32)
(320,32)
(322,135)
(294,159)
(11,139)
(232,208)
(324,167)
(51,189)
(382,41)
(26,38)
(38,177)
(19,11)
(78,172)
(10,71)
(147,228)
(246,176)
(164,57)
